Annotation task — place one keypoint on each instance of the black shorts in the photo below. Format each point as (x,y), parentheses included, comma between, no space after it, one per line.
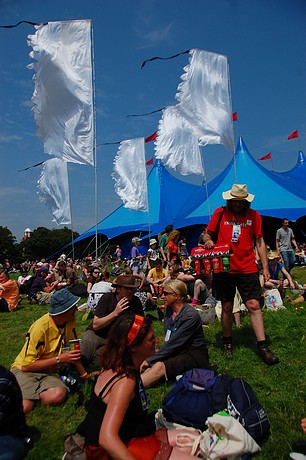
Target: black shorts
(225,285)
(185,361)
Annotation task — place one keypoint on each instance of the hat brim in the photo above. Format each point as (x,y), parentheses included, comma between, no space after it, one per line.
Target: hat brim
(228,196)
(136,285)
(68,308)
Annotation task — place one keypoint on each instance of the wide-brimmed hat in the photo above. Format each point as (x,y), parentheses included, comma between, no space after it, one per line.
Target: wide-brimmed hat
(126,281)
(62,301)
(152,241)
(273,255)
(238,192)
(135,239)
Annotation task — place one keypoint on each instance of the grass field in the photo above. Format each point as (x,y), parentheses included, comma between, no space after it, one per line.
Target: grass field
(280,388)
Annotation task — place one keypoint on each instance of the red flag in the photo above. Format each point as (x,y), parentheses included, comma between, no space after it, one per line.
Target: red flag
(266,157)
(151,138)
(293,135)
(234,116)
(149,162)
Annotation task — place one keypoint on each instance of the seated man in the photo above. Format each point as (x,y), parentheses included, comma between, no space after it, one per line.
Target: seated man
(9,292)
(109,307)
(69,279)
(156,277)
(37,366)
(275,267)
(196,287)
(184,346)
(14,432)
(40,290)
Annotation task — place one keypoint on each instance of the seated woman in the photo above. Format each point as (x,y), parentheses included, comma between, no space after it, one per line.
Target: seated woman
(184,346)
(93,277)
(275,267)
(117,424)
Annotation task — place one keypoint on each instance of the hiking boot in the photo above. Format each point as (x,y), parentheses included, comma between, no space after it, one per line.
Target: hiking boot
(227,349)
(267,355)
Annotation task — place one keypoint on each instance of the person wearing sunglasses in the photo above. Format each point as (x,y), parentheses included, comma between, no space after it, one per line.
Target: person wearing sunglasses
(184,346)
(94,277)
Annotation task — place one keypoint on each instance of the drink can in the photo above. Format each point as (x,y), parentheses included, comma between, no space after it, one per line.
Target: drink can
(74,344)
(216,264)
(207,266)
(226,263)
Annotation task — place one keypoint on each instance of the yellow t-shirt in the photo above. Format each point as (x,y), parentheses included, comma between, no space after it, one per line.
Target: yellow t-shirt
(45,340)
(157,275)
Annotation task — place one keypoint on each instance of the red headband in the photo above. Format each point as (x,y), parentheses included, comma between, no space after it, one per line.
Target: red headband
(133,332)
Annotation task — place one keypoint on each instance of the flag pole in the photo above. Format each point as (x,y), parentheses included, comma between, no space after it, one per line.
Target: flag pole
(71,220)
(95,140)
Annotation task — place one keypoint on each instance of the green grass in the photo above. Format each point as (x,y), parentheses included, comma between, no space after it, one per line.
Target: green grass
(280,388)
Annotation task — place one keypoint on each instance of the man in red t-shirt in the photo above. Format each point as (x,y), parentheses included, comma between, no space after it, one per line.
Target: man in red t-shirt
(239,226)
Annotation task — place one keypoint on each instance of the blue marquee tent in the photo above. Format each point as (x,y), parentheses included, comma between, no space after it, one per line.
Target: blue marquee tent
(275,194)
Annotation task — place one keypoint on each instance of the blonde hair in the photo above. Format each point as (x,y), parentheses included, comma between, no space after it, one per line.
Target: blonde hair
(177,286)
(173,235)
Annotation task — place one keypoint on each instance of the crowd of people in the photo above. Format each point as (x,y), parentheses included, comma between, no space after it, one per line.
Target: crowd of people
(120,339)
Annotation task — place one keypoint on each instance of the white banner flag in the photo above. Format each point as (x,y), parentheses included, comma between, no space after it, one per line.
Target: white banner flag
(53,190)
(130,175)
(205,100)
(177,145)
(63,95)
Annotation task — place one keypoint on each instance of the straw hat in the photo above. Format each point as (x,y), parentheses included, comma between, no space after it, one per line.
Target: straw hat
(238,192)
(273,255)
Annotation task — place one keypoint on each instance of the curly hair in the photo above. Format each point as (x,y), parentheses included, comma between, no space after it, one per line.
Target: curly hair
(116,354)
(173,235)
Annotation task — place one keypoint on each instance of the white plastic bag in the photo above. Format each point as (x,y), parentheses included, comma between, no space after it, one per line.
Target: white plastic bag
(273,300)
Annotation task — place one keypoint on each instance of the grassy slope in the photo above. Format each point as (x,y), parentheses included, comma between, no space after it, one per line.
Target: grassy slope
(280,388)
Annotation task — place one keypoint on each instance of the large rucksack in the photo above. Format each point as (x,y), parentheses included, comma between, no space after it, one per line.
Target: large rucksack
(188,402)
(198,394)
(236,396)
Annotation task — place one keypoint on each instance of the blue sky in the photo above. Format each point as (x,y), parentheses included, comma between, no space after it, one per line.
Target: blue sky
(266,47)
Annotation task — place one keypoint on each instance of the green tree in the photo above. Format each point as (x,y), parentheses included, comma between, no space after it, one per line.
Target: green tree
(44,242)
(8,246)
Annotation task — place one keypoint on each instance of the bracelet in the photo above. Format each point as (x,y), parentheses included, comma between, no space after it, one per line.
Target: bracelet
(57,361)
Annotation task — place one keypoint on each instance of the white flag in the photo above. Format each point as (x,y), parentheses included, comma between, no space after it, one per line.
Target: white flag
(53,190)
(63,95)
(205,100)
(177,145)
(130,175)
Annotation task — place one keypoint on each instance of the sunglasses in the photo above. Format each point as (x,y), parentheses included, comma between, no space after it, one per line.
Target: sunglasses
(96,273)
(168,293)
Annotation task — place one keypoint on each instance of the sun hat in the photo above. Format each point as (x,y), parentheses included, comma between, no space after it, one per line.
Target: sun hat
(126,281)
(62,301)
(152,241)
(273,255)
(238,192)
(43,270)
(135,239)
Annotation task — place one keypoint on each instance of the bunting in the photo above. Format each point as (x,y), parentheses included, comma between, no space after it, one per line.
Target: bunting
(53,190)
(63,96)
(130,175)
(265,157)
(293,135)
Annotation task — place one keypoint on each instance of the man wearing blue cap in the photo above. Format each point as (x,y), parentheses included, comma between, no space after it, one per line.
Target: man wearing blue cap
(46,351)
(40,290)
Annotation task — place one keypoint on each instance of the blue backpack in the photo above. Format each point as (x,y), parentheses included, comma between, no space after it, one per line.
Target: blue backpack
(188,402)
(235,396)
(199,394)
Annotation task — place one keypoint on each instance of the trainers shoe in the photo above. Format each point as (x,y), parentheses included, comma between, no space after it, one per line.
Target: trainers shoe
(267,355)
(227,350)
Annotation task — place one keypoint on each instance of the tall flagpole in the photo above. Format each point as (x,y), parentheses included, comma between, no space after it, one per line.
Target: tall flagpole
(71,220)
(95,139)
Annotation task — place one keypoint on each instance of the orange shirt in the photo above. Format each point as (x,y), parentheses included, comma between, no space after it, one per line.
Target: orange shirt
(10,293)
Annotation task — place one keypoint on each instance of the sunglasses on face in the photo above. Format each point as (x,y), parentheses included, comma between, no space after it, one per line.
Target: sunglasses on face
(168,293)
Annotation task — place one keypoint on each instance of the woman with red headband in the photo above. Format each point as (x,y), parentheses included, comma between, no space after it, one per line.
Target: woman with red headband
(117,409)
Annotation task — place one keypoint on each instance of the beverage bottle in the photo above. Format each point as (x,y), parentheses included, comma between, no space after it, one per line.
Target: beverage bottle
(226,263)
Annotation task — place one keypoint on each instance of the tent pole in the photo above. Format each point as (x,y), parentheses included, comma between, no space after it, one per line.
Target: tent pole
(95,139)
